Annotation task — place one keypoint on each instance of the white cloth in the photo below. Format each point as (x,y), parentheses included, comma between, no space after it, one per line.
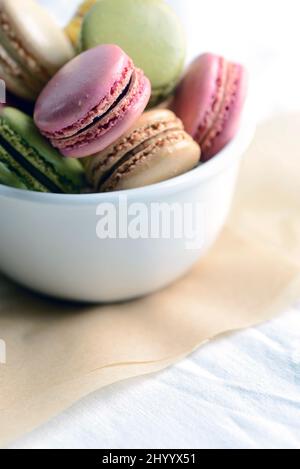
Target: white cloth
(241,391)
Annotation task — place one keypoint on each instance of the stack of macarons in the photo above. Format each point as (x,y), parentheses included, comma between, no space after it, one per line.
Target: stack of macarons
(92,87)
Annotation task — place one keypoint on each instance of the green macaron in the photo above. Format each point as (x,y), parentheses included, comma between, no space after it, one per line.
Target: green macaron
(27,160)
(148,31)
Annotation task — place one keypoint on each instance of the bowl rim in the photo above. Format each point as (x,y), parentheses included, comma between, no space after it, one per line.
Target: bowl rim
(203,172)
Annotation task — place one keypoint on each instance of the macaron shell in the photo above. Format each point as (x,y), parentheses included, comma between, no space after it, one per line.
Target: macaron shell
(92,101)
(12,174)
(121,119)
(149,125)
(24,60)
(15,83)
(210,100)
(38,33)
(196,93)
(147,30)
(79,87)
(17,80)
(8,177)
(164,158)
(19,131)
(227,124)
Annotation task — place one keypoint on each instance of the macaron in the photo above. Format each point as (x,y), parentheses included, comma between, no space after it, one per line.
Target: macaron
(74,26)
(210,101)
(92,101)
(148,31)
(155,149)
(27,160)
(32,47)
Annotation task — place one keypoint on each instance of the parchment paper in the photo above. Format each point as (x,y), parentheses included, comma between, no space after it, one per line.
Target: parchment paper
(58,352)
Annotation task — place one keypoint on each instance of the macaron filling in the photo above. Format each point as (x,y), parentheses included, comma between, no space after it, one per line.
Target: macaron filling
(33,165)
(136,155)
(10,66)
(99,167)
(27,166)
(106,103)
(99,109)
(12,174)
(106,115)
(14,71)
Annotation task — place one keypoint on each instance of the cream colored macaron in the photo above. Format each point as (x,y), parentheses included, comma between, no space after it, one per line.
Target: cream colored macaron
(155,149)
(32,47)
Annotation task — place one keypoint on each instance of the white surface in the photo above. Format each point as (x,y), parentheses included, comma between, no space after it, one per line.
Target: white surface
(237,392)
(241,391)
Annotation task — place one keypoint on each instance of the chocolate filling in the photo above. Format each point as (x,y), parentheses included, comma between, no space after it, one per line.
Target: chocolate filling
(131,154)
(29,167)
(99,118)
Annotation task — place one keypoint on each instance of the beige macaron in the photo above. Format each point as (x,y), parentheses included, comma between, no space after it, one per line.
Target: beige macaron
(155,149)
(32,47)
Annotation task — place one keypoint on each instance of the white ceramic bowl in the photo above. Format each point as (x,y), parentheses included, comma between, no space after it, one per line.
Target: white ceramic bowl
(48,242)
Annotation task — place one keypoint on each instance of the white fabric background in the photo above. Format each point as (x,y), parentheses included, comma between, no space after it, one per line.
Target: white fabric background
(241,391)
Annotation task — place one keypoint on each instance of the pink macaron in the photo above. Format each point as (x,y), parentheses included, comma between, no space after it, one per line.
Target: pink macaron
(210,101)
(92,101)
